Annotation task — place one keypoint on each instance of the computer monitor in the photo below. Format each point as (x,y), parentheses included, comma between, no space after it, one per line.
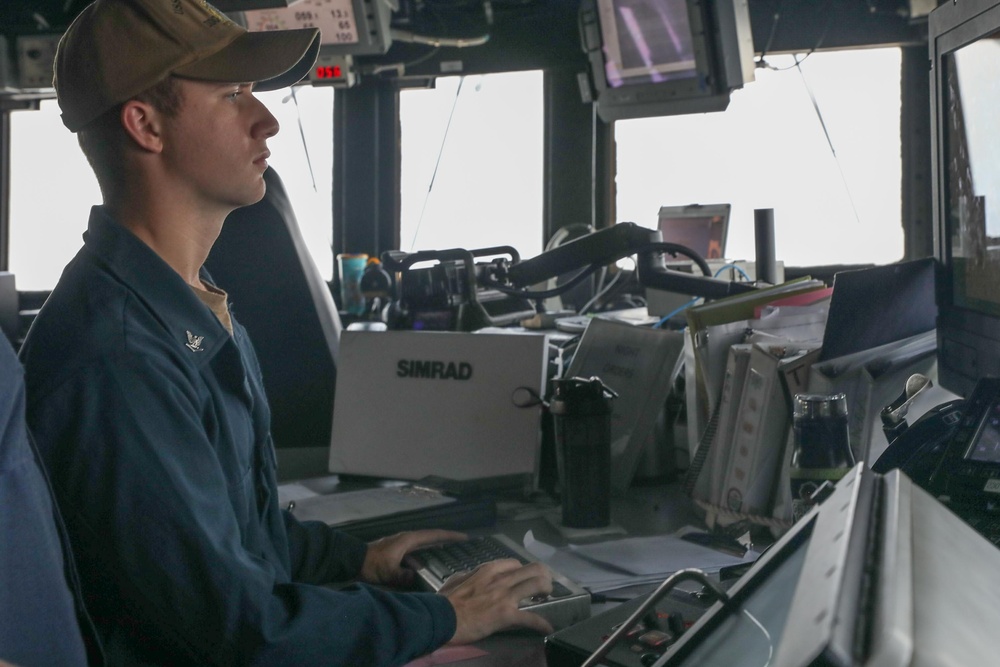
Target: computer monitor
(964,49)
(701,227)
(664,57)
(880,574)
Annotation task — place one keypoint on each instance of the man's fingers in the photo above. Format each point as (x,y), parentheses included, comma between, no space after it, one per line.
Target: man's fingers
(383,561)
(407,541)
(500,567)
(520,580)
(523,580)
(486,599)
(454,581)
(422,538)
(535,586)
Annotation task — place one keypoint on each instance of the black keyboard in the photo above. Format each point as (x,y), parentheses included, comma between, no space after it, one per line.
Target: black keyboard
(566,605)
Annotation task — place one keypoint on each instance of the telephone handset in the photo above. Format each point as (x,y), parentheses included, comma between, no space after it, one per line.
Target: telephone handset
(953,451)
(918,449)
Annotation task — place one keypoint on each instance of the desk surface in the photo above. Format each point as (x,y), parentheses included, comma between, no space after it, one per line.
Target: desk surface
(651,509)
(645,510)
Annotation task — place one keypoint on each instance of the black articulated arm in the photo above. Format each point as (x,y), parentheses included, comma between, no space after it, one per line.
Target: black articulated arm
(608,245)
(459,293)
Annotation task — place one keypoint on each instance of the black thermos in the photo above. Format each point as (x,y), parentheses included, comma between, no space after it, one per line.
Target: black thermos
(821,446)
(581,410)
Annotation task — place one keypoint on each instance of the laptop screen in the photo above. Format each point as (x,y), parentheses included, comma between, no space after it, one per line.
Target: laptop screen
(700,227)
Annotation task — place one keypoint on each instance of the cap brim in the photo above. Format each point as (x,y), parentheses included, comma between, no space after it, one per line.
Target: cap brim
(270,59)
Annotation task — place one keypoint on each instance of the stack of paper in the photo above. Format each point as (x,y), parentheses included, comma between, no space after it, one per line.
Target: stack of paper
(632,561)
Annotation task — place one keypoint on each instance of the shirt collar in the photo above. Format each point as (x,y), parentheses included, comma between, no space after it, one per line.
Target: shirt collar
(189,321)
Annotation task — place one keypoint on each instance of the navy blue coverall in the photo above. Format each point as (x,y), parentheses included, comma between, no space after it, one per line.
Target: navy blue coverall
(153,423)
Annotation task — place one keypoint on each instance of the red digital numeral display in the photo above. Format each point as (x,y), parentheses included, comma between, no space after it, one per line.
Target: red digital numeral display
(329,72)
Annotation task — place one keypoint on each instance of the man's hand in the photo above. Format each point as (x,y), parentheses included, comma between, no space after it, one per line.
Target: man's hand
(384,560)
(485,600)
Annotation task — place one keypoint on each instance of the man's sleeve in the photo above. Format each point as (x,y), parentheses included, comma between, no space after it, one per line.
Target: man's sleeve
(320,554)
(39,621)
(159,544)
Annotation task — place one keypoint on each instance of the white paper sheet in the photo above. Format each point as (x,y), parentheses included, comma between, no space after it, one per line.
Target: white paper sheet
(606,566)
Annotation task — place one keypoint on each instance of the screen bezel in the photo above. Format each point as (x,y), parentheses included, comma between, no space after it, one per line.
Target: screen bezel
(689,86)
(968,340)
(714,216)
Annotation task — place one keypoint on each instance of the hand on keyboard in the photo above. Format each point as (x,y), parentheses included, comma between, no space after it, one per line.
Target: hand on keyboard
(384,559)
(562,602)
(486,600)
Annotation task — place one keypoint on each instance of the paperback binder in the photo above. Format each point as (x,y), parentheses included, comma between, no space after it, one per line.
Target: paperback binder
(762,426)
(638,363)
(711,477)
(712,328)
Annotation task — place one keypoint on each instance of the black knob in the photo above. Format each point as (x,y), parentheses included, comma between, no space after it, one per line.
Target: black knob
(647,659)
(675,621)
(652,621)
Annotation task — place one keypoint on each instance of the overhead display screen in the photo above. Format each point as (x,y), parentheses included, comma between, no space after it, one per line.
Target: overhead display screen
(334,18)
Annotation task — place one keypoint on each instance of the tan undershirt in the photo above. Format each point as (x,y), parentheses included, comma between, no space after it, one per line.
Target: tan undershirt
(218,302)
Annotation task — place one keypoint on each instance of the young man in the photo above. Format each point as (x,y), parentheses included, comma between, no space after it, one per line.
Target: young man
(145,395)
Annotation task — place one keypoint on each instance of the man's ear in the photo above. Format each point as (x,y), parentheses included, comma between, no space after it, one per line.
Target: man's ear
(142,122)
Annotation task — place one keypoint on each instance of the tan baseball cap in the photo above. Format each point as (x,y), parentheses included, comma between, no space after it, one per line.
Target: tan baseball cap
(116,49)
